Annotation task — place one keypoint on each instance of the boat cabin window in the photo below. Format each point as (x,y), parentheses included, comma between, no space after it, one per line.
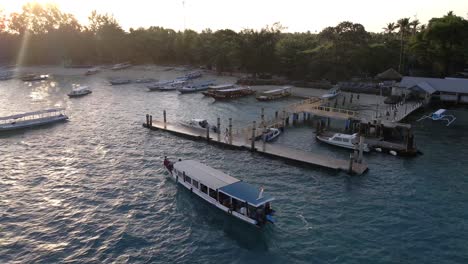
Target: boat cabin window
(195,183)
(203,188)
(224,199)
(213,194)
(188,179)
(345,140)
(338,139)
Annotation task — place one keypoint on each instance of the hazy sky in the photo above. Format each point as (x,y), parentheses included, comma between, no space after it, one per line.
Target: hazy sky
(296,15)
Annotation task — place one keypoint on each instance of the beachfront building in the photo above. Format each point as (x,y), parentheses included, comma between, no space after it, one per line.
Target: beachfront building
(448,90)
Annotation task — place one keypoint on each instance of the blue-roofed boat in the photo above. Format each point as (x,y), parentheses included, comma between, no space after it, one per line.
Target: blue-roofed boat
(237,198)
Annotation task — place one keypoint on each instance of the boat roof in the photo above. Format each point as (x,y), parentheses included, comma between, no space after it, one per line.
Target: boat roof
(439,112)
(344,135)
(276,90)
(246,192)
(219,86)
(232,89)
(198,120)
(32,113)
(212,178)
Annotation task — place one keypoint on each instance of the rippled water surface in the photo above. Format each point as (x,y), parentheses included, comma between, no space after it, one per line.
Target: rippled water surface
(92,189)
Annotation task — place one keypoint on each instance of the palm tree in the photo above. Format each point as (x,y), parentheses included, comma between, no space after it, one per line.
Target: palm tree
(390,28)
(414,26)
(403,25)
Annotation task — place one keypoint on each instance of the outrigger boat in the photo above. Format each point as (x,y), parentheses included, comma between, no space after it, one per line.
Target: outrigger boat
(32,119)
(274,94)
(120,81)
(199,123)
(146,80)
(440,115)
(92,71)
(344,141)
(80,91)
(237,198)
(230,93)
(121,66)
(332,93)
(31,77)
(193,88)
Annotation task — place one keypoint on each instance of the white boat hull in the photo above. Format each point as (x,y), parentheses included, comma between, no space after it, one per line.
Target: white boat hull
(212,201)
(33,123)
(342,145)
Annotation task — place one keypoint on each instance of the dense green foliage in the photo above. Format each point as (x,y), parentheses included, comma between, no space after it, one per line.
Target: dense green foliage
(42,34)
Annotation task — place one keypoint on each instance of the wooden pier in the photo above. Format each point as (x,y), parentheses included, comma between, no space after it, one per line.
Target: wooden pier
(241,142)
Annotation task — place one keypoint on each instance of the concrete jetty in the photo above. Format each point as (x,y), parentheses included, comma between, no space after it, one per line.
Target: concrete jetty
(241,142)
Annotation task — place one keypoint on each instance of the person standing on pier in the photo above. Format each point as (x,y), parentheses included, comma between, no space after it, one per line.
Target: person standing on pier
(226,135)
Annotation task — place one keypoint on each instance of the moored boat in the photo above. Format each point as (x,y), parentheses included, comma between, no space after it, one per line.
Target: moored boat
(121,66)
(199,123)
(230,93)
(270,134)
(193,75)
(31,77)
(198,87)
(120,81)
(332,93)
(158,85)
(218,87)
(80,91)
(32,119)
(146,80)
(6,75)
(173,85)
(274,94)
(92,71)
(237,198)
(344,141)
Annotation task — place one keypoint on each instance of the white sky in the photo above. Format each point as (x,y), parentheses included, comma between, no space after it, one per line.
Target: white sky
(296,15)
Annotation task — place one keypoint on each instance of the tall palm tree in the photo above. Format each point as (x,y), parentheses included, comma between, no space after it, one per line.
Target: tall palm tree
(404,26)
(390,28)
(414,26)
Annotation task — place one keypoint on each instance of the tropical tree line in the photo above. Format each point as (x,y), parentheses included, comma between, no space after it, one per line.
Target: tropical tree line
(42,34)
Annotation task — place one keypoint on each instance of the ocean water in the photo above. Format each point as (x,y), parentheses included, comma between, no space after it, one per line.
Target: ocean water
(92,190)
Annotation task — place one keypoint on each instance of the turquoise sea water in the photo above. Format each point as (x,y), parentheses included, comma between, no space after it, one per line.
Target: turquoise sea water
(92,189)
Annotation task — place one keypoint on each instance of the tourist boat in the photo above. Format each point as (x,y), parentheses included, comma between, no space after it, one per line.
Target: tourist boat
(233,196)
(193,88)
(31,77)
(218,87)
(158,85)
(270,134)
(80,91)
(344,141)
(193,75)
(274,94)
(173,85)
(121,66)
(32,119)
(332,93)
(199,123)
(230,93)
(120,81)
(146,80)
(92,71)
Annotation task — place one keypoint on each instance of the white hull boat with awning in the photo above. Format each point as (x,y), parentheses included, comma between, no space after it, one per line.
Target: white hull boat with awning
(80,91)
(235,197)
(344,141)
(32,119)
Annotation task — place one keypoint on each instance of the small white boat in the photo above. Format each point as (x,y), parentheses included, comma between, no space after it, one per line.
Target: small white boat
(80,91)
(31,77)
(158,85)
(92,71)
(193,75)
(235,197)
(193,88)
(146,80)
(344,141)
(271,134)
(121,66)
(199,123)
(440,115)
(173,86)
(32,119)
(120,81)
(275,94)
(332,93)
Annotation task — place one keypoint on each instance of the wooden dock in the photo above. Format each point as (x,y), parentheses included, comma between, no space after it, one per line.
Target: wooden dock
(239,141)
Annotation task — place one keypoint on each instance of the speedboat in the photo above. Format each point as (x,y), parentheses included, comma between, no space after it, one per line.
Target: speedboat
(233,196)
(332,93)
(80,91)
(199,123)
(193,88)
(32,119)
(120,81)
(271,134)
(344,141)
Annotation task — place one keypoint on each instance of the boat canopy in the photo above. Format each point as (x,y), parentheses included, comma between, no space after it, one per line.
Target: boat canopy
(233,90)
(280,90)
(345,135)
(246,192)
(212,178)
(222,86)
(32,113)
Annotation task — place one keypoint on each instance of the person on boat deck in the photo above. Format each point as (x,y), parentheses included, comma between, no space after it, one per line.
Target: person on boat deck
(268,209)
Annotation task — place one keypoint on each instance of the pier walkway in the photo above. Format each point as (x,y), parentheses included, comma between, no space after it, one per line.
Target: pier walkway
(239,141)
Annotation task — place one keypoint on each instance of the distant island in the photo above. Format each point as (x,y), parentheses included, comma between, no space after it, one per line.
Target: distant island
(43,34)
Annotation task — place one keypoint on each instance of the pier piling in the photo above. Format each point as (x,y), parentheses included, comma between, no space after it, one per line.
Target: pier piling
(230,131)
(147,120)
(208,133)
(218,128)
(151,120)
(351,160)
(164,116)
(252,146)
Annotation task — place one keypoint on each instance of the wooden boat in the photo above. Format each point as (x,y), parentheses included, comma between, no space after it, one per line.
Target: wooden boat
(237,198)
(230,93)
(32,119)
(198,87)
(332,93)
(120,81)
(344,141)
(31,77)
(121,66)
(274,94)
(92,71)
(80,91)
(218,87)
